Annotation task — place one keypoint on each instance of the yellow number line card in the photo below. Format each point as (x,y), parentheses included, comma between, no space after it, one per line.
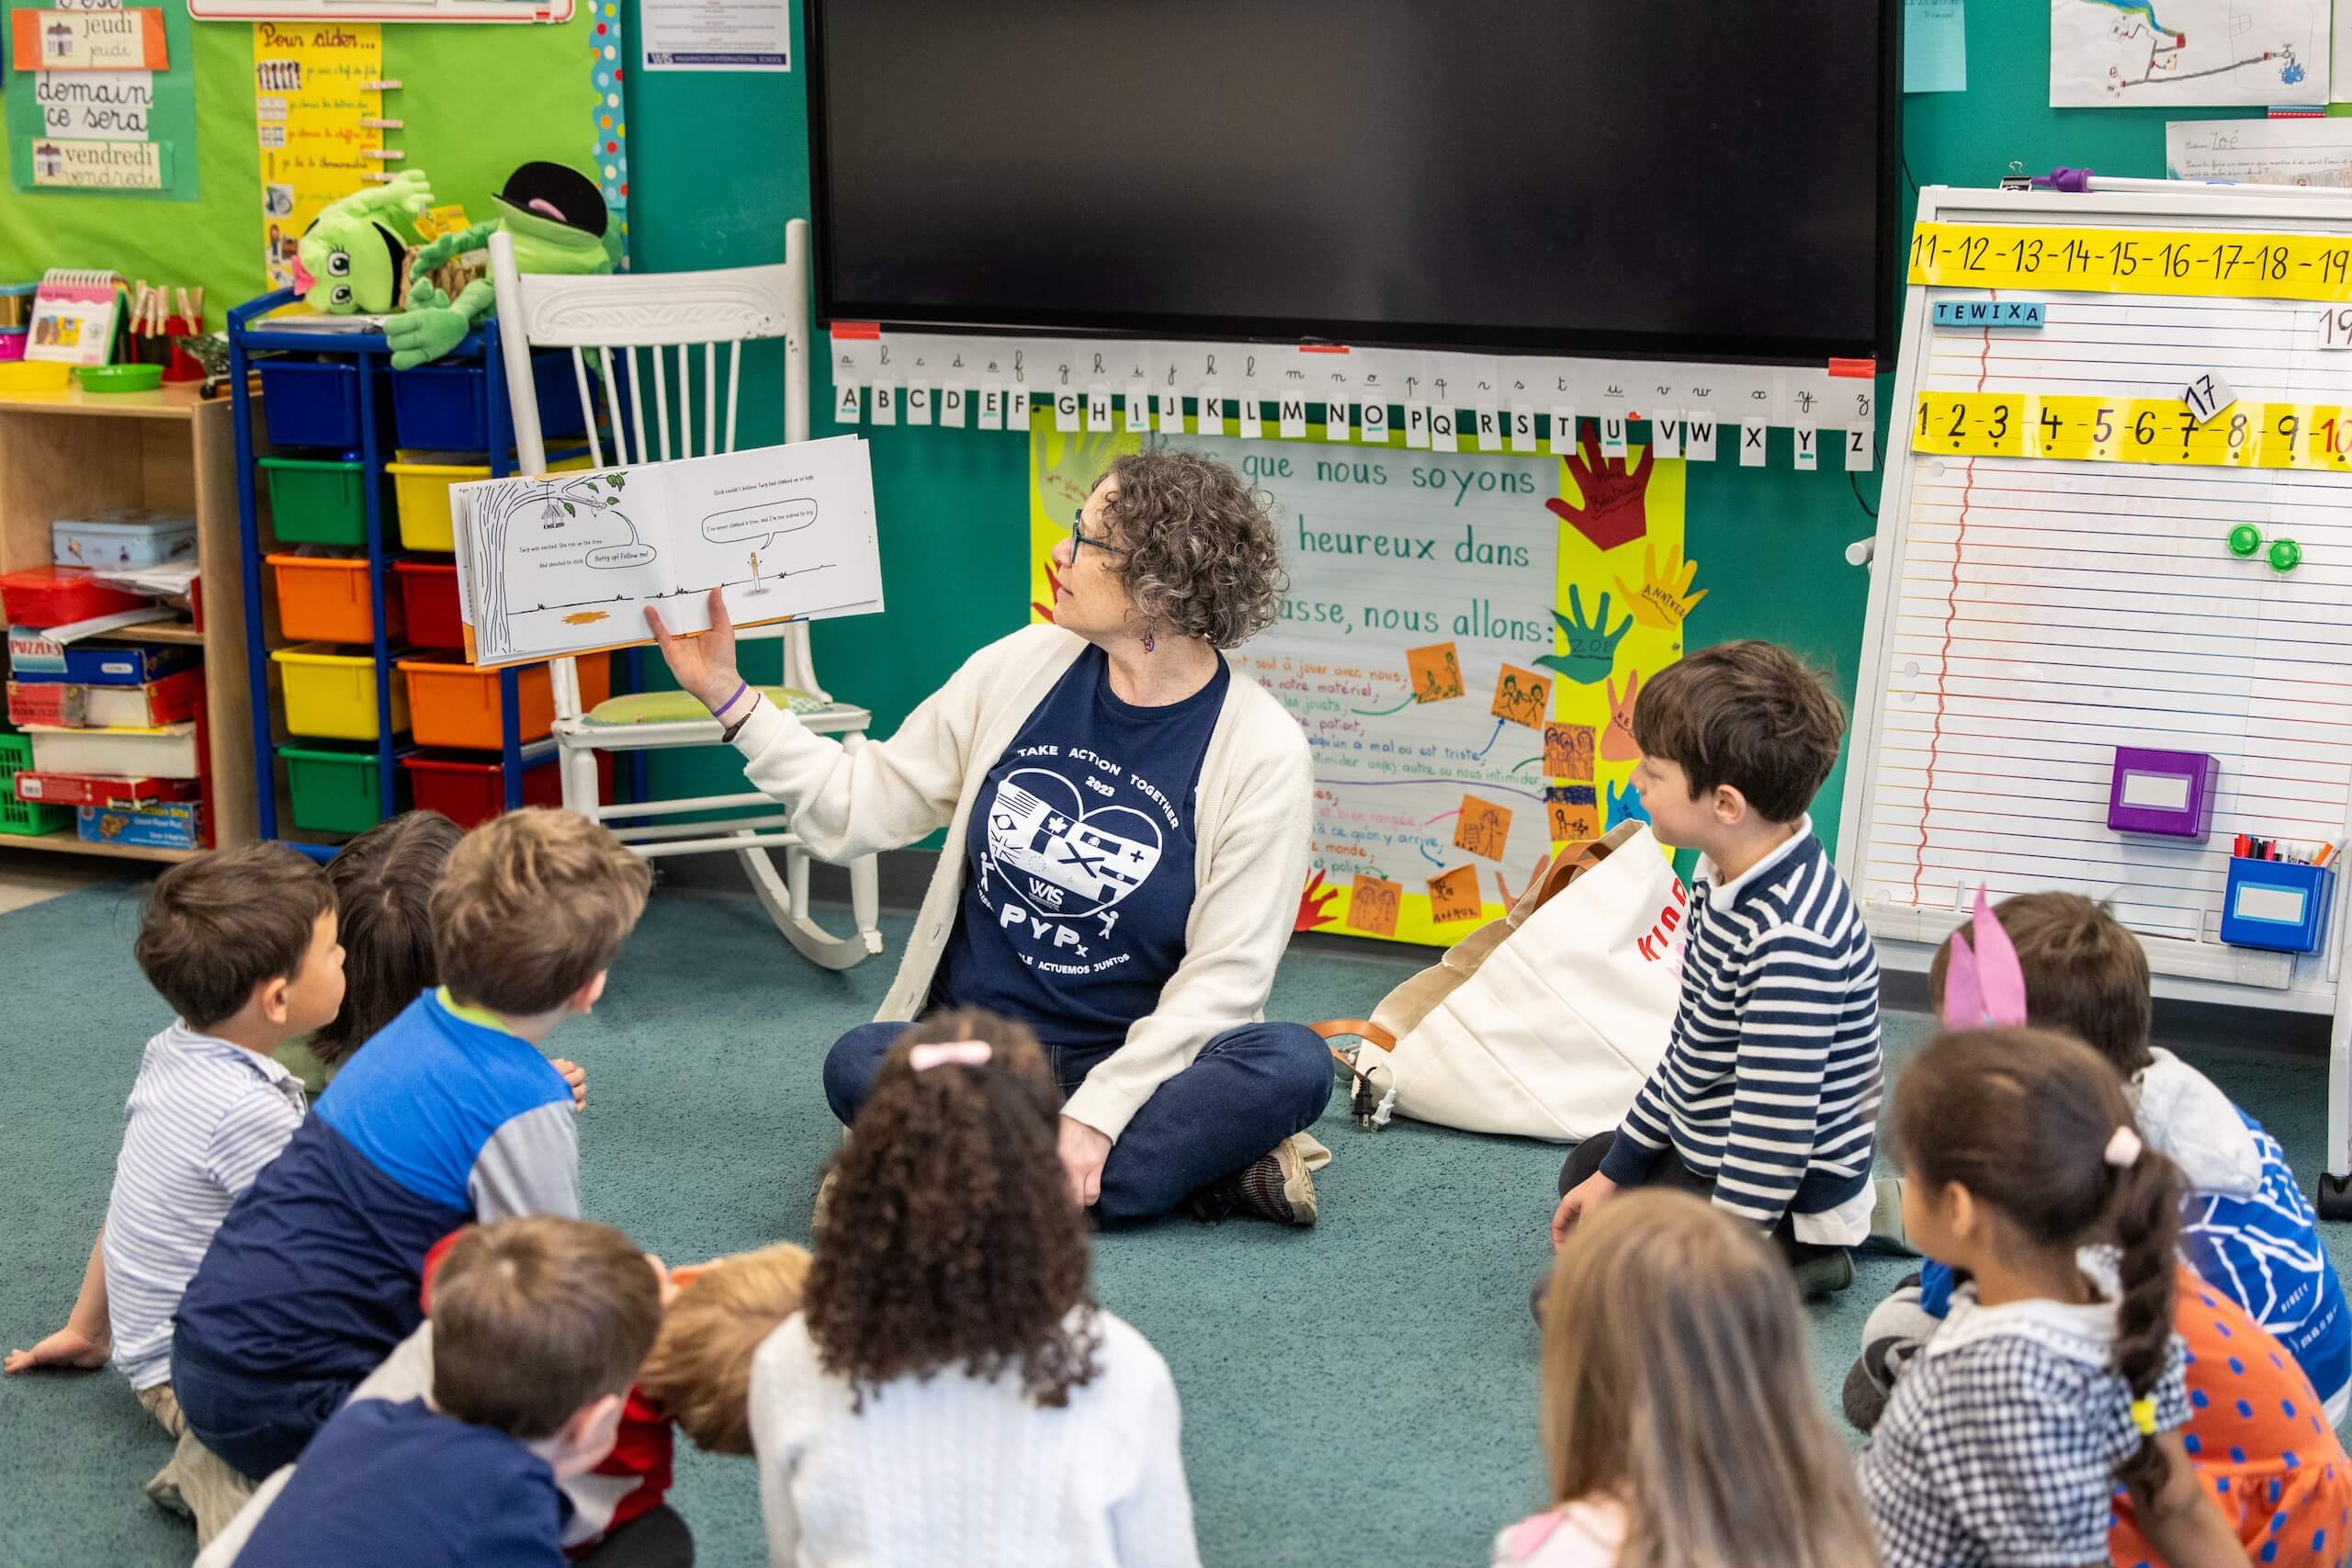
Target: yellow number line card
(2132,430)
(2198,262)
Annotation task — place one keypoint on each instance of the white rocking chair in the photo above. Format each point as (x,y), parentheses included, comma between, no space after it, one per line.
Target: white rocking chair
(618,320)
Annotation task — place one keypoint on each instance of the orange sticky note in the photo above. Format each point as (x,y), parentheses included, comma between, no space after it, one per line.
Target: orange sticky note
(1482,828)
(1436,671)
(1454,895)
(1373,904)
(1574,813)
(1567,751)
(1521,696)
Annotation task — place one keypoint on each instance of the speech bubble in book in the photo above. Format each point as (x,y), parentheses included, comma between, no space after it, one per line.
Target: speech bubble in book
(611,556)
(755,526)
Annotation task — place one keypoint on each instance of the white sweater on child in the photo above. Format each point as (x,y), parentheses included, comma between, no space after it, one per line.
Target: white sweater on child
(957,1471)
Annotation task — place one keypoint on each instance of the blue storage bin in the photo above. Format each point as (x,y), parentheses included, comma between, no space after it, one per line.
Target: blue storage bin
(446,407)
(312,402)
(2276,905)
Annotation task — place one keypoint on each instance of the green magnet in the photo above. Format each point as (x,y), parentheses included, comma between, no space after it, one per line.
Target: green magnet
(2244,540)
(2286,556)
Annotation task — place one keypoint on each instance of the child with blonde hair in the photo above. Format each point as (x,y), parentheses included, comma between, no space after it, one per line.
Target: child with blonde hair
(2057,1375)
(950,1393)
(1681,1428)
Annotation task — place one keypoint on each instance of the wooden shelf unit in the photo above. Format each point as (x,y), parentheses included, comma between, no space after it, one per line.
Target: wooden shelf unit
(69,453)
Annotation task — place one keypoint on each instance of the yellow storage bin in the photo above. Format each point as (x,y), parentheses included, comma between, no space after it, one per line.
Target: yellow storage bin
(421,482)
(332,694)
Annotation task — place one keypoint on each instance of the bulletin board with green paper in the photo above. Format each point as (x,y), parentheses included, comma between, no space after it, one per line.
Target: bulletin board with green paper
(108,121)
(474,102)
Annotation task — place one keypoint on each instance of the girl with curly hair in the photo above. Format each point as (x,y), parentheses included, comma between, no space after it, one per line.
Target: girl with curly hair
(950,1391)
(1127,823)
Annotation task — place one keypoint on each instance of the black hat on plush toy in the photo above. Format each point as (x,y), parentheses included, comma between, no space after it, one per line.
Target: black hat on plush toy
(557,194)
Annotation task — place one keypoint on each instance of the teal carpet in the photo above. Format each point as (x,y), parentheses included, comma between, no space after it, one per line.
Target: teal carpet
(1362,1393)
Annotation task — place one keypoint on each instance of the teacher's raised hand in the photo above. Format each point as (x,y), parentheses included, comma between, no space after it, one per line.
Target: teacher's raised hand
(703,663)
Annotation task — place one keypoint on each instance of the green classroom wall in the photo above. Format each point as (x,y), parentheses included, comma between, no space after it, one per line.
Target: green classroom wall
(474,102)
(719,162)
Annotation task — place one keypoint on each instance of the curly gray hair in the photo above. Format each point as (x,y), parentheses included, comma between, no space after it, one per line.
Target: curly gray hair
(1200,554)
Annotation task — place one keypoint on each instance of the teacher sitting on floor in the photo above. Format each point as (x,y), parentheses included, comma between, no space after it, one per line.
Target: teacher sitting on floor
(1128,825)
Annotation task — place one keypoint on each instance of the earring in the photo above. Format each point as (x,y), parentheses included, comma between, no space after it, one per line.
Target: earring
(1151,643)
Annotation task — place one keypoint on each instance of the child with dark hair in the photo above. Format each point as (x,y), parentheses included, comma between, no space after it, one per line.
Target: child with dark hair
(382,881)
(540,1323)
(241,944)
(950,1393)
(2057,1375)
(1766,1102)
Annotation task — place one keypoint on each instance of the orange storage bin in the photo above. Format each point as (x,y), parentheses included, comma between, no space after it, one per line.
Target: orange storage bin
(324,599)
(457,705)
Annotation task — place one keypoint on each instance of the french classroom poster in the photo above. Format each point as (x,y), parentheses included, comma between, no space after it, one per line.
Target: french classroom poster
(311,105)
(1462,640)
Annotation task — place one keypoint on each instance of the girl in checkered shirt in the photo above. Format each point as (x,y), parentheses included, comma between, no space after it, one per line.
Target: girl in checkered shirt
(2057,1376)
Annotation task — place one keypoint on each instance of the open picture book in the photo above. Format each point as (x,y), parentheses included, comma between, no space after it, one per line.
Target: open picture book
(566,563)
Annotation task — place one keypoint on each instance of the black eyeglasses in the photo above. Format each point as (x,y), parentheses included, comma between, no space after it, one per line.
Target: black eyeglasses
(1100,542)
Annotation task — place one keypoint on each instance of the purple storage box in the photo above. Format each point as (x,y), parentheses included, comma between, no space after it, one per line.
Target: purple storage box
(2166,792)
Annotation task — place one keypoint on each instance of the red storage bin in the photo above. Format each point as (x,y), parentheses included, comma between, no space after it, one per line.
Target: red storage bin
(44,596)
(429,590)
(467,792)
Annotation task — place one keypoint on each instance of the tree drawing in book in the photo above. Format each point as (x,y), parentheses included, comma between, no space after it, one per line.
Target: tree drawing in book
(569,562)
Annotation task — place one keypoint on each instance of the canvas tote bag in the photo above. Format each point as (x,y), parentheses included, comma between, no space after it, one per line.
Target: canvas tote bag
(1546,1022)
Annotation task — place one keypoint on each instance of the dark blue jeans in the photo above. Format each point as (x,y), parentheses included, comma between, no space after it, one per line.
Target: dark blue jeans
(1249,1090)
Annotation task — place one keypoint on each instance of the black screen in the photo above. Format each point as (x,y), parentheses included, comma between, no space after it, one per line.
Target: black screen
(1663,176)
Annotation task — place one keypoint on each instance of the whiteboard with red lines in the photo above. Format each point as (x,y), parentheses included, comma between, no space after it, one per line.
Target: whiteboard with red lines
(2029,616)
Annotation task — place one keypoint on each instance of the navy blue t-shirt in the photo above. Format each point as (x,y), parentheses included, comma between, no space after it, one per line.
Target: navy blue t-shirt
(402,1485)
(1081,850)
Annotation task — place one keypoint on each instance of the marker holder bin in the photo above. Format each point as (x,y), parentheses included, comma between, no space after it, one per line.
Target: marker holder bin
(2276,905)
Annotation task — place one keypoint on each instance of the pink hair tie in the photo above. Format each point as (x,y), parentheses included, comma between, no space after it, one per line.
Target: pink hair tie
(953,1054)
(2123,1149)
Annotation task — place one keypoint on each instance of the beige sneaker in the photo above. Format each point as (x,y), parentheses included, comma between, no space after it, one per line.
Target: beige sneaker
(1279,1185)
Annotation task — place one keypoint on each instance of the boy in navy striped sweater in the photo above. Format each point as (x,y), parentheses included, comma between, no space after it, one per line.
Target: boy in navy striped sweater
(1767,1098)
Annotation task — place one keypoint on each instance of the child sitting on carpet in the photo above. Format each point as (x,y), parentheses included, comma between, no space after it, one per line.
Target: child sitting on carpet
(2057,1375)
(242,944)
(539,1324)
(1680,1422)
(952,1393)
(2246,1227)
(450,1114)
(1767,1098)
(383,883)
(697,1376)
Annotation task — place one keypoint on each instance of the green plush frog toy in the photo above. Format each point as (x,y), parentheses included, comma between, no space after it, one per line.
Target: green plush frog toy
(555,215)
(364,253)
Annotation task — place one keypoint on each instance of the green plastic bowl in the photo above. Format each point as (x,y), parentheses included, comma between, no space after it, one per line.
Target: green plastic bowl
(119,377)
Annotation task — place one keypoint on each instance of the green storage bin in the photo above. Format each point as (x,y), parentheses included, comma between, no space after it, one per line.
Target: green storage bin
(334,791)
(24,817)
(319,500)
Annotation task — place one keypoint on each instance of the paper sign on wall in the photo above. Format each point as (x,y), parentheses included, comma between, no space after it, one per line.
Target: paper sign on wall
(99,166)
(88,41)
(312,101)
(95,106)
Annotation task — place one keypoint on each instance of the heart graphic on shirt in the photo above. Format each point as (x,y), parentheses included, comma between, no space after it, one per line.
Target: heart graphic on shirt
(1061,859)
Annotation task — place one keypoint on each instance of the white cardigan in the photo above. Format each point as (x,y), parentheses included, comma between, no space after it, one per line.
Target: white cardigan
(1253,814)
(949,1470)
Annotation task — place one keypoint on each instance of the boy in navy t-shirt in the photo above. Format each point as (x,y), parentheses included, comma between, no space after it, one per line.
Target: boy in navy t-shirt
(539,1324)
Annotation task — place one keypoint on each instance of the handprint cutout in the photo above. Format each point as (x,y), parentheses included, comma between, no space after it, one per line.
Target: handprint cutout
(1614,496)
(1617,742)
(1664,598)
(1592,649)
